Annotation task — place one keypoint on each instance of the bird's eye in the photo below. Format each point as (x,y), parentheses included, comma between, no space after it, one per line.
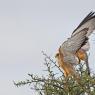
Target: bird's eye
(57,55)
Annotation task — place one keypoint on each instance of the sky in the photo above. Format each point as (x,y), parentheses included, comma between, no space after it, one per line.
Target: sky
(28,27)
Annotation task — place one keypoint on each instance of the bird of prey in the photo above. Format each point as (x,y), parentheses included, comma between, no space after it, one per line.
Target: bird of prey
(75,48)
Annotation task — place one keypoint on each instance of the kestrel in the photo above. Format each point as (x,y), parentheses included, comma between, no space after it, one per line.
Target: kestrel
(75,48)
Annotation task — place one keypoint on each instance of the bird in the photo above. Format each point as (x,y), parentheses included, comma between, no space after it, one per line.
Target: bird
(88,22)
(67,52)
(75,48)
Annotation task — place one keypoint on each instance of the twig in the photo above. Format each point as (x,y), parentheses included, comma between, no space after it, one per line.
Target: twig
(52,61)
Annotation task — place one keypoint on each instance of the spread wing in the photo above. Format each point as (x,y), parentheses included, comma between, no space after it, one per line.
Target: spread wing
(75,42)
(88,22)
(72,45)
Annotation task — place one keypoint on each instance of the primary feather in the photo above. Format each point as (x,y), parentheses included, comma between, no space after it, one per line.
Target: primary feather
(88,22)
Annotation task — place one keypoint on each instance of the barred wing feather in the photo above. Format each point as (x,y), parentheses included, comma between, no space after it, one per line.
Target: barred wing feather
(75,42)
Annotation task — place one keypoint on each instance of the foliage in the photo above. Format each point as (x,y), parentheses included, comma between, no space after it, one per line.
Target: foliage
(54,83)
